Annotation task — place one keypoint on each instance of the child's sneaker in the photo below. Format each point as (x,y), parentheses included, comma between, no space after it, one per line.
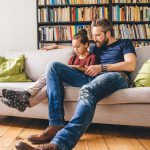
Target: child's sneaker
(21,106)
(21,96)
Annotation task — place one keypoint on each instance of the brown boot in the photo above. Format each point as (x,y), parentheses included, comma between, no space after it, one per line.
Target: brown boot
(45,136)
(25,146)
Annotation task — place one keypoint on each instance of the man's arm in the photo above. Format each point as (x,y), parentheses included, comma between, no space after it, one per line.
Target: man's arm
(55,46)
(129,64)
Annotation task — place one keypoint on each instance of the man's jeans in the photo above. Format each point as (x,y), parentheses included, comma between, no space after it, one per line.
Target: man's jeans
(93,90)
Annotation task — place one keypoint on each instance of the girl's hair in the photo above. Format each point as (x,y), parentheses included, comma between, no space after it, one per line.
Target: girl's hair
(82,35)
(105,24)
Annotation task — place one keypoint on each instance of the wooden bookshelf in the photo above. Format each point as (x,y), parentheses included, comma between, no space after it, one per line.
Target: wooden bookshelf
(70,25)
(133,22)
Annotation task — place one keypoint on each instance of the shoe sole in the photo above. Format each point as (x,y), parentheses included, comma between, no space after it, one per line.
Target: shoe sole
(18,148)
(39,142)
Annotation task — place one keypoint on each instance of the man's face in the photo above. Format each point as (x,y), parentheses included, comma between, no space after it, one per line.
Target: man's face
(99,36)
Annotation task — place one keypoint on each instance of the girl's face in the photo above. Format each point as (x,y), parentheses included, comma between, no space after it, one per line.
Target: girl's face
(78,47)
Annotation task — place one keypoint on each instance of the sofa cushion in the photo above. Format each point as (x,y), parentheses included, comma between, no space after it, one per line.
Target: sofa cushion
(123,96)
(128,96)
(15,85)
(37,60)
(143,55)
(143,77)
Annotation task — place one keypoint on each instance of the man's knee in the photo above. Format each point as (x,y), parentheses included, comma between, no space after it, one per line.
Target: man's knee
(87,98)
(86,92)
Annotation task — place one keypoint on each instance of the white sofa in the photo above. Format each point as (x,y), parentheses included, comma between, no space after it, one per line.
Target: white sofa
(125,107)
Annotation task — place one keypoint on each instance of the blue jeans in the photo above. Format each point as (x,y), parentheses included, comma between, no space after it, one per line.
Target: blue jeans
(92,91)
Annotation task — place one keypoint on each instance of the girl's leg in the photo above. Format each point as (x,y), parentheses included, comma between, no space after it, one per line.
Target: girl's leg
(20,100)
(38,85)
(24,95)
(39,97)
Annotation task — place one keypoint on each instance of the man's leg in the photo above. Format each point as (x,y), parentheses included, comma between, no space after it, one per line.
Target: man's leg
(57,73)
(90,94)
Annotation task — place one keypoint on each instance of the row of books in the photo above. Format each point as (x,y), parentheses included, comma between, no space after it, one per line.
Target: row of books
(64,2)
(54,14)
(88,13)
(65,33)
(140,44)
(130,13)
(77,14)
(139,31)
(130,1)
(61,33)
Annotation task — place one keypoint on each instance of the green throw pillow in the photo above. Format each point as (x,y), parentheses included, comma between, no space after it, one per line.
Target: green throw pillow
(143,77)
(12,69)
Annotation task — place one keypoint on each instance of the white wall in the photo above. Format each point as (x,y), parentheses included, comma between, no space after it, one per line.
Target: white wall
(18,25)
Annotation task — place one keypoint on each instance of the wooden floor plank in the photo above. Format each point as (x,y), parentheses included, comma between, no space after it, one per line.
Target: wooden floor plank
(95,139)
(118,138)
(12,132)
(5,123)
(82,144)
(142,135)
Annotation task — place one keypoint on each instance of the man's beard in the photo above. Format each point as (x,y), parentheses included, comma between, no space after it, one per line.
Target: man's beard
(103,43)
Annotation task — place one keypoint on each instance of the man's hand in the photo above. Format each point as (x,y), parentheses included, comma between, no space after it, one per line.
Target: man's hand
(93,70)
(50,47)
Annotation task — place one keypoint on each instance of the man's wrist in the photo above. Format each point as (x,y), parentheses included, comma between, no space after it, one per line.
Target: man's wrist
(104,68)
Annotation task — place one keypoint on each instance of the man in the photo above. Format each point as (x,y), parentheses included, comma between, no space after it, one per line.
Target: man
(116,60)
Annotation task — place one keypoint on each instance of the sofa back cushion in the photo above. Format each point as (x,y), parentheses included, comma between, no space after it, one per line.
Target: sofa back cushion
(143,54)
(37,60)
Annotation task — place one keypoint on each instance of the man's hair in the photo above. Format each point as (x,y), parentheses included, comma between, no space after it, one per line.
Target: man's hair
(105,24)
(82,35)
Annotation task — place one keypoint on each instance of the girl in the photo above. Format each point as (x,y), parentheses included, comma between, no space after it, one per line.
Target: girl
(81,58)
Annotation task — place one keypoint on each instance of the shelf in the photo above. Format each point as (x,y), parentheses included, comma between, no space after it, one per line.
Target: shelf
(140,39)
(65,23)
(69,41)
(72,5)
(90,41)
(131,22)
(131,4)
(55,41)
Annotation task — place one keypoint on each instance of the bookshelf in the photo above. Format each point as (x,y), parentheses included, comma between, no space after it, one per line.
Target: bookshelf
(58,21)
(131,19)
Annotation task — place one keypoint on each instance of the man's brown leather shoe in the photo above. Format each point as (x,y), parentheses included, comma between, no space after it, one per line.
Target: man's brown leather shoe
(45,136)
(25,146)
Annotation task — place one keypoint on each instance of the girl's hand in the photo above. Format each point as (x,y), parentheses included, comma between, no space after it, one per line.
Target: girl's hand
(93,70)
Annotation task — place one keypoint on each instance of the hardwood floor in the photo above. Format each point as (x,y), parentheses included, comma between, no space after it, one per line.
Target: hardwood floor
(97,137)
